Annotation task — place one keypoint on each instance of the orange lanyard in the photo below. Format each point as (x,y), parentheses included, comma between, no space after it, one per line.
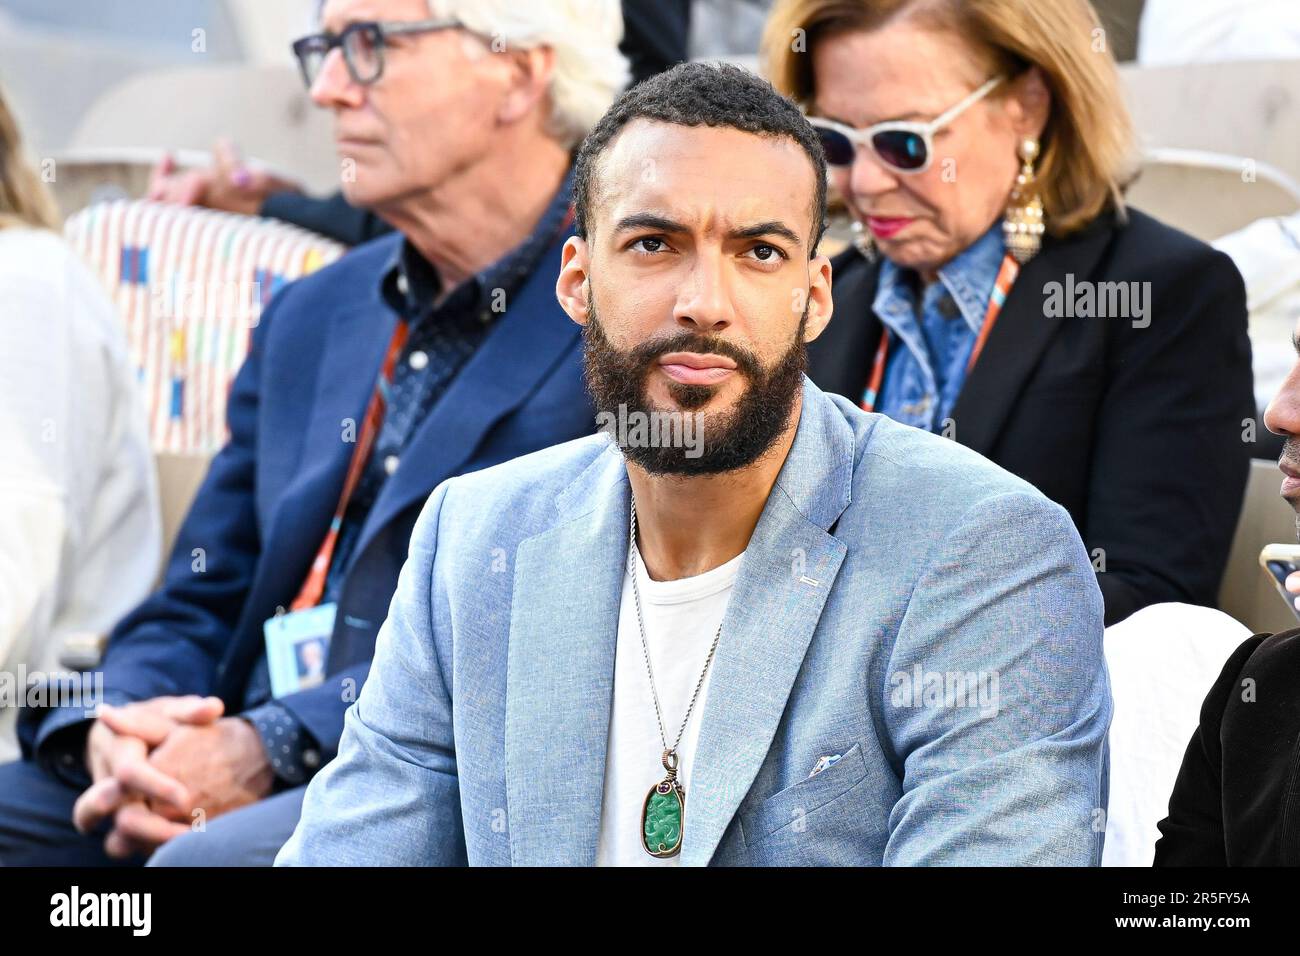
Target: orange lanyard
(314,587)
(1006,278)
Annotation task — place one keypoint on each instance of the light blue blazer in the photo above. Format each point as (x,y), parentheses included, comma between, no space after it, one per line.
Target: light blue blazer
(903,603)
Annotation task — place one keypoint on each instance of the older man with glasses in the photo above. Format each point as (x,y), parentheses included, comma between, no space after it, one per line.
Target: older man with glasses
(436,351)
(654,38)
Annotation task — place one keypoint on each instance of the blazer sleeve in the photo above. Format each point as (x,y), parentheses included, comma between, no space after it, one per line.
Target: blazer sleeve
(332,217)
(1193,833)
(1017,776)
(392,796)
(1171,454)
(321,709)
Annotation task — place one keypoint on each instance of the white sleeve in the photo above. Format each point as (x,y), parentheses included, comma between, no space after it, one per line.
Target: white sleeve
(79,517)
(35,486)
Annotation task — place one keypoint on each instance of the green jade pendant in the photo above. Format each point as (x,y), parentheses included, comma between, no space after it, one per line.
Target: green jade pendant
(664,812)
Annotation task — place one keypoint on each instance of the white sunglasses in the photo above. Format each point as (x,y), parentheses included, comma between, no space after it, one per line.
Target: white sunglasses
(906,147)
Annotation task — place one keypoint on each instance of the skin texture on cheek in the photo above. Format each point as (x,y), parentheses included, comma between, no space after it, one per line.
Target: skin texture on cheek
(427,119)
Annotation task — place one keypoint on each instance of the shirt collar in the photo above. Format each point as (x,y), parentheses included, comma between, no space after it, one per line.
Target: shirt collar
(410,284)
(969,278)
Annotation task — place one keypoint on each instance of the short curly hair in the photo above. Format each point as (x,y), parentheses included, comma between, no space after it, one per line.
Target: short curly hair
(702,94)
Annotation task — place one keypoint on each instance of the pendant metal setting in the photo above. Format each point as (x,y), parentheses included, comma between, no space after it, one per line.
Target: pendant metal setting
(664,813)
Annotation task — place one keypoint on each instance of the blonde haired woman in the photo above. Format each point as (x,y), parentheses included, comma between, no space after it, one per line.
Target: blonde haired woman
(79,523)
(1001,294)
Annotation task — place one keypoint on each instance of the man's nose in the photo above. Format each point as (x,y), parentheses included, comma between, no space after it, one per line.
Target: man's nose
(334,85)
(1282,417)
(704,300)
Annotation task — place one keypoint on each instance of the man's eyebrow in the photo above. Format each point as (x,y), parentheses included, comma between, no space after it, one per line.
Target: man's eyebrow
(773,227)
(648,220)
(1295,342)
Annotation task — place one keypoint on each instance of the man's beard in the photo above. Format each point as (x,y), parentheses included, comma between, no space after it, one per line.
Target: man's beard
(732,439)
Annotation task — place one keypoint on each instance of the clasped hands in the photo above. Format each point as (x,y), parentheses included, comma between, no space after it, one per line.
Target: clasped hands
(160,765)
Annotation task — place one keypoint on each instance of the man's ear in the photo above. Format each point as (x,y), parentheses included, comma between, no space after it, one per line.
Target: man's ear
(530,78)
(571,287)
(820,303)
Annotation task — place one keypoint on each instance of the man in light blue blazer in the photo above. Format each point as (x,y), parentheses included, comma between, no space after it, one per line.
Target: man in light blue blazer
(746,624)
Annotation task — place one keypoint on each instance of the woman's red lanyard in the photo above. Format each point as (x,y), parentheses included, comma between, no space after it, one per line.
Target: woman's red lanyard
(1006,278)
(314,587)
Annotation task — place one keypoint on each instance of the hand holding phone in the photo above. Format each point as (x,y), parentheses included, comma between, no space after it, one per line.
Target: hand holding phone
(1281,562)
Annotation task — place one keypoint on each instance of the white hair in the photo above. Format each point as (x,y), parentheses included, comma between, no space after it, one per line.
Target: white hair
(584,35)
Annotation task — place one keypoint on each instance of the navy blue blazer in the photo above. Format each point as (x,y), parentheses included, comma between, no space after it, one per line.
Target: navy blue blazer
(269,495)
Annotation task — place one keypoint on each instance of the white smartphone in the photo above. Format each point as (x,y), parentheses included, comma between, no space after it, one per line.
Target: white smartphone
(1278,562)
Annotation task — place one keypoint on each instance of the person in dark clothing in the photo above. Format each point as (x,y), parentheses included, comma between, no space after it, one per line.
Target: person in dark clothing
(655,33)
(1236,801)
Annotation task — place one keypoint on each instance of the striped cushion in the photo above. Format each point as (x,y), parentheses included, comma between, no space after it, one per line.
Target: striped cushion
(190,285)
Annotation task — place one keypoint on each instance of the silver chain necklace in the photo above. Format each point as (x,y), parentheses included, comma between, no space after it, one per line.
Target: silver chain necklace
(664,811)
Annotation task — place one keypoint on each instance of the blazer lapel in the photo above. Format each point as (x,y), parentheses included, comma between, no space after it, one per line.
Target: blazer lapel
(784,581)
(518,353)
(349,370)
(349,366)
(560,670)
(1021,336)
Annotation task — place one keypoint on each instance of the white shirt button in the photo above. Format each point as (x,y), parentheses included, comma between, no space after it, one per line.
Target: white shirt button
(390,463)
(403,286)
(418,360)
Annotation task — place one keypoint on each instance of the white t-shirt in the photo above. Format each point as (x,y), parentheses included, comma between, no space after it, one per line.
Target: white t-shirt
(681,618)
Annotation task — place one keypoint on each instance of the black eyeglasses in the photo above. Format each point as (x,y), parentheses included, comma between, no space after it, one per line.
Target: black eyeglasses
(363,47)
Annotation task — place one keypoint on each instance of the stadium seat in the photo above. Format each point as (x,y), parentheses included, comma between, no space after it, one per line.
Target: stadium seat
(191,107)
(1211,194)
(1250,108)
(190,285)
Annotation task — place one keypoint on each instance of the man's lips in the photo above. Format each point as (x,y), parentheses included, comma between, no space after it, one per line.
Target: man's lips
(1291,483)
(886,227)
(696,368)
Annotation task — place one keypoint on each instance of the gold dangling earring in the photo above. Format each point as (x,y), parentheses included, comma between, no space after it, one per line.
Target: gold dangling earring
(1023,228)
(863,241)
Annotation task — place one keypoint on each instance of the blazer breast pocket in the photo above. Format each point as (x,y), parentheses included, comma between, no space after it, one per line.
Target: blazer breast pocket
(801,799)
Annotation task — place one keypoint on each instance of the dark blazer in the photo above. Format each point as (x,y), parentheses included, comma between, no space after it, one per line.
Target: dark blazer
(269,495)
(1137,432)
(1237,798)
